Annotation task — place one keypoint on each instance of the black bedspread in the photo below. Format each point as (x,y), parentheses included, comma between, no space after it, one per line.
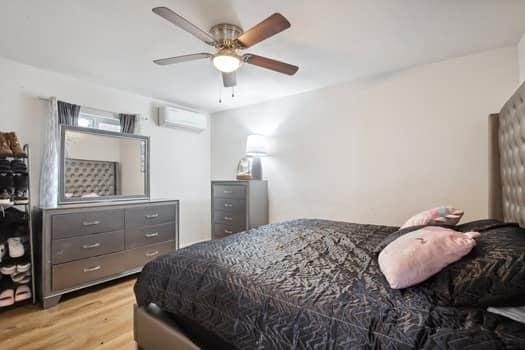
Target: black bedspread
(311,284)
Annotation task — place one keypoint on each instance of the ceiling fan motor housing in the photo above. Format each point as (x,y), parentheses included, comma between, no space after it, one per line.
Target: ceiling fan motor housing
(225,35)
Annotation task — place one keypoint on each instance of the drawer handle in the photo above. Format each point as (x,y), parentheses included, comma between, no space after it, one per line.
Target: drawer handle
(228,205)
(228,218)
(152,216)
(151,235)
(228,231)
(91,246)
(150,254)
(90,223)
(227,192)
(91,269)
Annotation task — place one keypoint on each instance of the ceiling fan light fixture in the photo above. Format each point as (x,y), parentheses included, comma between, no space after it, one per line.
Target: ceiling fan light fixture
(226,62)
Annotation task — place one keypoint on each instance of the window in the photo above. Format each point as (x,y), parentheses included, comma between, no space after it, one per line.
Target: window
(90,118)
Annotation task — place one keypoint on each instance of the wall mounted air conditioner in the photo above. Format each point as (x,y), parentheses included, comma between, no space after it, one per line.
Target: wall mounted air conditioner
(173,117)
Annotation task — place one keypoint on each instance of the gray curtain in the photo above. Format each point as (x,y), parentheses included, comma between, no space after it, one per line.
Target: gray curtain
(68,113)
(49,165)
(59,113)
(127,123)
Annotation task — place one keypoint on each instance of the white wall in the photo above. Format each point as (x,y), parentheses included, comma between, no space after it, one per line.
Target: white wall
(92,147)
(521,58)
(180,166)
(377,151)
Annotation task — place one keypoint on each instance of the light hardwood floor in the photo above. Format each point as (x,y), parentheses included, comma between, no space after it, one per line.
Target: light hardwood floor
(99,318)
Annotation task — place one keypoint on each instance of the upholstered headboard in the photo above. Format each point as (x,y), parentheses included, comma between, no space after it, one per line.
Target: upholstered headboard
(83,176)
(507,161)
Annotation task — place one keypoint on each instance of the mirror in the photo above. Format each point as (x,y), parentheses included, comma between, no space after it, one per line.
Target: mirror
(98,165)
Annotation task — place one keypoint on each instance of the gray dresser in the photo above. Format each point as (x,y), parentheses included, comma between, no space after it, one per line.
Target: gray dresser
(87,244)
(238,206)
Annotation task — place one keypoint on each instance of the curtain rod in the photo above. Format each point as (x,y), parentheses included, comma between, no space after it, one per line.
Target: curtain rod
(141,117)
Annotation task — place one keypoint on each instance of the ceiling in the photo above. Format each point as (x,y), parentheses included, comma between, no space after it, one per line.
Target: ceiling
(113,42)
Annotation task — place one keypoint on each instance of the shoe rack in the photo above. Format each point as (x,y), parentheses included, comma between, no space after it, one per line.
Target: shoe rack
(15,221)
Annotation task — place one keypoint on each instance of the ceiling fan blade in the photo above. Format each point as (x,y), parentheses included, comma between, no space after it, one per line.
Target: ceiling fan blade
(184,58)
(229,79)
(183,23)
(272,25)
(269,63)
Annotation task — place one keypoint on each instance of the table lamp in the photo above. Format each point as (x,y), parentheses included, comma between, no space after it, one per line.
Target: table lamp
(250,167)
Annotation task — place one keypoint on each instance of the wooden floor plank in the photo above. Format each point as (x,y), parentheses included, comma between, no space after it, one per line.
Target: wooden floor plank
(98,318)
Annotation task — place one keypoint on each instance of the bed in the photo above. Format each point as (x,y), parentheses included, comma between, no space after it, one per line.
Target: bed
(316,284)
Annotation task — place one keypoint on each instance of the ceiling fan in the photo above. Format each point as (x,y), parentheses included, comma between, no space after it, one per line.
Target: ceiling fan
(228,40)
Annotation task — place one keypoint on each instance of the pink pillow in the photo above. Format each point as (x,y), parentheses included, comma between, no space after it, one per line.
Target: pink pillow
(441,215)
(418,255)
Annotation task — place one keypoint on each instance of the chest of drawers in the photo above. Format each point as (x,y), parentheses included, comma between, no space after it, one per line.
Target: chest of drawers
(238,206)
(83,245)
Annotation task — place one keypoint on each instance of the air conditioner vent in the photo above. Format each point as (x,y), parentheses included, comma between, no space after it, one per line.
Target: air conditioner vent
(172,117)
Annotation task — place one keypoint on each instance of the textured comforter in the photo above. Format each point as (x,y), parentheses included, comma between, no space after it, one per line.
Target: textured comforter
(311,284)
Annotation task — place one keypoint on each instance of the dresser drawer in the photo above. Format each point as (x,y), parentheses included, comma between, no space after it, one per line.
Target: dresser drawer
(150,215)
(140,256)
(78,272)
(222,230)
(230,205)
(229,191)
(229,218)
(75,248)
(78,224)
(136,237)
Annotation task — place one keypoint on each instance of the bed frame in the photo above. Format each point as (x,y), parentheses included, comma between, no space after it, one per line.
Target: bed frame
(156,330)
(507,160)
(153,329)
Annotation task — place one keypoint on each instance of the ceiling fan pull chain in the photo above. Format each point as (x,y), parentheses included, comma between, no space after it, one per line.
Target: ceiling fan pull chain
(233,92)
(220,88)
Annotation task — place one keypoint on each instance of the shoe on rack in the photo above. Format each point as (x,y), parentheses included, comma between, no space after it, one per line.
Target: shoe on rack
(21,197)
(19,229)
(7,182)
(16,247)
(7,297)
(18,166)
(5,197)
(7,187)
(5,148)
(23,267)
(20,181)
(21,277)
(15,216)
(22,293)
(8,269)
(15,146)
(5,167)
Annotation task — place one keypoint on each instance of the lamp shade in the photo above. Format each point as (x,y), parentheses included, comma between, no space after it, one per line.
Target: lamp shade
(256,145)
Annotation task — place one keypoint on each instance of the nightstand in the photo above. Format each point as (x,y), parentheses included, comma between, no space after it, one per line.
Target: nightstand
(238,206)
